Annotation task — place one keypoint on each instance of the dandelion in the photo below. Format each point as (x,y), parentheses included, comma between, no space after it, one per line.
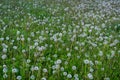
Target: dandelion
(14,70)
(5,75)
(32,77)
(100,53)
(45,70)
(75,75)
(1,39)
(28,60)
(4,56)
(19,77)
(65,73)
(69,54)
(90,76)
(107,78)
(36,68)
(43,78)
(91,69)
(78,57)
(76,78)
(18,32)
(5,50)
(69,76)
(86,61)
(7,38)
(5,70)
(74,67)
(14,47)
(62,68)
(58,61)
(66,62)
(102,69)
(55,55)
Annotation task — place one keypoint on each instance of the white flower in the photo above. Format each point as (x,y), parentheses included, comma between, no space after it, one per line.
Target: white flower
(69,54)
(45,70)
(4,50)
(75,75)
(36,68)
(78,57)
(60,34)
(74,67)
(5,76)
(62,68)
(1,39)
(91,69)
(69,76)
(43,78)
(86,61)
(32,77)
(14,70)
(66,63)
(76,48)
(76,78)
(4,56)
(23,51)
(58,61)
(36,44)
(19,77)
(7,38)
(100,53)
(102,69)
(107,78)
(90,76)
(18,32)
(64,73)
(14,47)
(55,55)
(4,70)
(28,60)
(54,71)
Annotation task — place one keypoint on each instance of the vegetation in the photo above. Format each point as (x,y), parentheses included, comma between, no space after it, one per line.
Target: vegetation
(60,40)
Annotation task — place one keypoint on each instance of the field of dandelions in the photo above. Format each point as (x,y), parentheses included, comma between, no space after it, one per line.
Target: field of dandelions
(59,39)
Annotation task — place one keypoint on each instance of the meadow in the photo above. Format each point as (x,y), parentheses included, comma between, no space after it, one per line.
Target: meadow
(59,39)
